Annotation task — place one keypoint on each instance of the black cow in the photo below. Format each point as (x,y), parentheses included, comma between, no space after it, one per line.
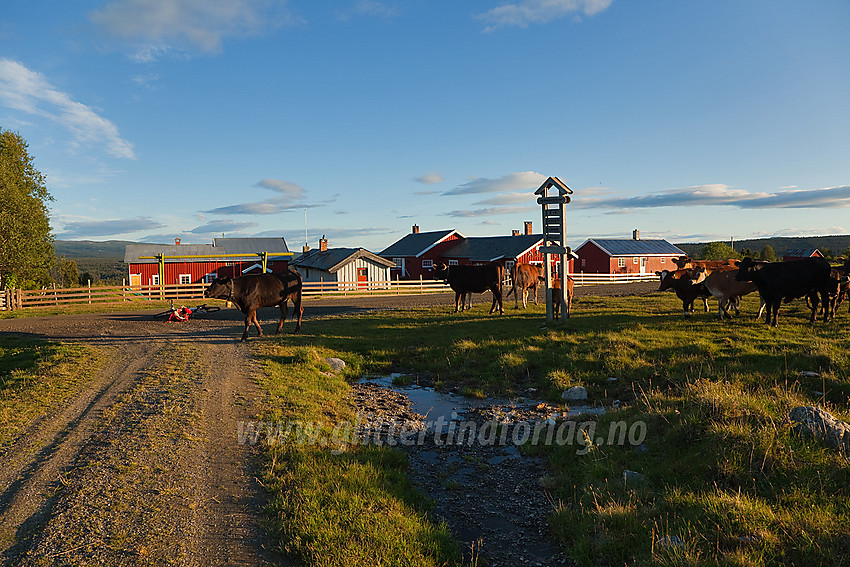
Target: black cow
(787,280)
(252,291)
(688,292)
(475,279)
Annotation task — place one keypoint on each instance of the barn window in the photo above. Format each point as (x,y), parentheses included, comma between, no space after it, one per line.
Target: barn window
(184,279)
(583,262)
(452,262)
(399,262)
(635,260)
(427,263)
(155,279)
(663,260)
(621,262)
(209,277)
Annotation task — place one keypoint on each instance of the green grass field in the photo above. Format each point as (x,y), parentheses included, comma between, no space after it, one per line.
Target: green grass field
(725,478)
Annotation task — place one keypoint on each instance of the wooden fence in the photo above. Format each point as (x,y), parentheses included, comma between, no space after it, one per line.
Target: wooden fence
(23,299)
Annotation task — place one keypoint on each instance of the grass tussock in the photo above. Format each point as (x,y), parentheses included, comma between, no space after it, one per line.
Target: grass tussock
(725,478)
(338,503)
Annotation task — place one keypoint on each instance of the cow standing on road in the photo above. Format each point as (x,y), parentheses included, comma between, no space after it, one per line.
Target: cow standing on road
(252,291)
(475,279)
(787,280)
(524,277)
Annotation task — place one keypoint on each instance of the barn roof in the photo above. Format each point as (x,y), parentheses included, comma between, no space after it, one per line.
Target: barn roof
(632,247)
(801,253)
(491,248)
(248,246)
(333,259)
(417,243)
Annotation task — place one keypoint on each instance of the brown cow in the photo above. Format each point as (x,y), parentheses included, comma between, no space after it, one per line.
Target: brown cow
(558,296)
(725,287)
(252,291)
(525,277)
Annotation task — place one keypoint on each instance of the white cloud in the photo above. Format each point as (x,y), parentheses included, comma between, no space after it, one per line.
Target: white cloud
(526,12)
(430,178)
(221,225)
(156,27)
(291,190)
(490,211)
(28,91)
(525,180)
(510,199)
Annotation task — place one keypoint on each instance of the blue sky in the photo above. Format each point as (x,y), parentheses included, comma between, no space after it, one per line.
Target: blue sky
(691,121)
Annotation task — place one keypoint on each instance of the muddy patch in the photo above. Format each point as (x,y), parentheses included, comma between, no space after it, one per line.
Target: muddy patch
(465,454)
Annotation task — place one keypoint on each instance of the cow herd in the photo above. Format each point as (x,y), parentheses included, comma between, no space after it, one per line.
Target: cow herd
(726,281)
(776,282)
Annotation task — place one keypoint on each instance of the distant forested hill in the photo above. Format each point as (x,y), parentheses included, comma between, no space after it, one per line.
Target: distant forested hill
(836,244)
(103,260)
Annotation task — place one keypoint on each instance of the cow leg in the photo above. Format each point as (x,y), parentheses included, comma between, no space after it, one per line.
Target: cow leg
(525,298)
(813,296)
(298,311)
(761,307)
(569,302)
(773,312)
(251,318)
(256,323)
(458,298)
(535,292)
(284,308)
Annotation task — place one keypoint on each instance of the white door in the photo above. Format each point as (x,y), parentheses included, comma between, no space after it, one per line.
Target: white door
(643,265)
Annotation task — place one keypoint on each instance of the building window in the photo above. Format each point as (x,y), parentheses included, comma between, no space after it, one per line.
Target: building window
(209,278)
(583,262)
(452,262)
(155,279)
(635,261)
(621,262)
(399,262)
(183,279)
(427,263)
(663,260)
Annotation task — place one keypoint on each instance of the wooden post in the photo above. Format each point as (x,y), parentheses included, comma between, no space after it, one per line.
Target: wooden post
(89,292)
(55,296)
(123,289)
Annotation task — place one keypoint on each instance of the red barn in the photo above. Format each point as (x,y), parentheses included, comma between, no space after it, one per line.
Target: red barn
(206,267)
(801,253)
(416,254)
(624,256)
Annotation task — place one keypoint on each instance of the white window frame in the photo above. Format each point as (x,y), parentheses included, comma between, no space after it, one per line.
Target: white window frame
(209,278)
(187,277)
(583,262)
(635,260)
(663,260)
(155,279)
(452,262)
(427,263)
(621,262)
(399,262)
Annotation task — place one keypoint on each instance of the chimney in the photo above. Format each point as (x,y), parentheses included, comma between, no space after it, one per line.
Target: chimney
(323,244)
(514,232)
(415,229)
(528,227)
(305,249)
(635,234)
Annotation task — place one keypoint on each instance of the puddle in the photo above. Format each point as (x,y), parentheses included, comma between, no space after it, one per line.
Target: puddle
(452,407)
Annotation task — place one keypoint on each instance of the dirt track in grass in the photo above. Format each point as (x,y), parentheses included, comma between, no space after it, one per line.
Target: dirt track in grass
(141,466)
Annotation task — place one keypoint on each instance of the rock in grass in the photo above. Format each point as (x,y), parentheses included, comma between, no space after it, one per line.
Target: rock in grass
(632,477)
(575,394)
(671,542)
(822,425)
(336,364)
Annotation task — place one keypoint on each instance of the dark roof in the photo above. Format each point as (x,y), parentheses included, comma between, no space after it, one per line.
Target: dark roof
(332,259)
(632,247)
(416,243)
(248,246)
(251,245)
(801,253)
(489,248)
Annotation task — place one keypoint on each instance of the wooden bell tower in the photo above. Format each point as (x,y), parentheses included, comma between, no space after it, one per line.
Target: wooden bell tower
(554,236)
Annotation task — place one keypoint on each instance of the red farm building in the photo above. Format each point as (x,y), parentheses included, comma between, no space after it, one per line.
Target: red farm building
(208,262)
(416,254)
(800,254)
(626,256)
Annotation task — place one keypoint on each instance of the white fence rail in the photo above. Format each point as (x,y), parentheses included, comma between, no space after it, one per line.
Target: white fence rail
(22,299)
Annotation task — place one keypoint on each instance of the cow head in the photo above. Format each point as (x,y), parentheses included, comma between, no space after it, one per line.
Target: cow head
(747,269)
(662,276)
(696,275)
(682,262)
(220,288)
(441,271)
